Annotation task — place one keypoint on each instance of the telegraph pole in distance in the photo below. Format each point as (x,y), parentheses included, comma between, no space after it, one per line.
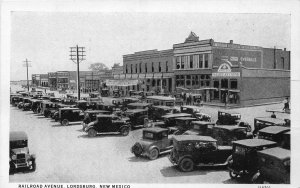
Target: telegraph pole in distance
(77,55)
(27,65)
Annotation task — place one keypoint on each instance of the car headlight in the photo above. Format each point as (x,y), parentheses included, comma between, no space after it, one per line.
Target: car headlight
(14,157)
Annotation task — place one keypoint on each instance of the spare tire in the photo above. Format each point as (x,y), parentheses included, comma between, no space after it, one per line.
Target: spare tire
(137,149)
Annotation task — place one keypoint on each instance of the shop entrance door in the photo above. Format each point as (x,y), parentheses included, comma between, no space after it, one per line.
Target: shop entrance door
(216,92)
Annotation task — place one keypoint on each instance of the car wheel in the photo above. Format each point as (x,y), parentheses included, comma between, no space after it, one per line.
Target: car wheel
(65,122)
(153,154)
(124,131)
(229,160)
(186,165)
(233,175)
(11,168)
(33,166)
(137,149)
(92,133)
(217,122)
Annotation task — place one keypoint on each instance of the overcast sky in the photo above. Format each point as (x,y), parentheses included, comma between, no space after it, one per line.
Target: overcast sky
(44,38)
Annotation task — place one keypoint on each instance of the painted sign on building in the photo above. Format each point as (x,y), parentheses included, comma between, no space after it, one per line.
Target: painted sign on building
(224,70)
(121,82)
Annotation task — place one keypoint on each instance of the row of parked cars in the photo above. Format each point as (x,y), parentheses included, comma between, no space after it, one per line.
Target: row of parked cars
(188,135)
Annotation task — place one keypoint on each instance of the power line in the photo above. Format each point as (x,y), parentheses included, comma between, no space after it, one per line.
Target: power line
(27,65)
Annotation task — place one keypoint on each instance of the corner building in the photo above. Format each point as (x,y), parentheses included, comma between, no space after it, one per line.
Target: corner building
(240,74)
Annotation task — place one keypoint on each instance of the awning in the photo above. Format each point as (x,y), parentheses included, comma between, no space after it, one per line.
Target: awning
(124,82)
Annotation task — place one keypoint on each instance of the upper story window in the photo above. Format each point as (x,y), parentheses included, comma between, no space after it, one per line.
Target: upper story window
(146,70)
(201,61)
(178,62)
(152,67)
(191,61)
(182,61)
(140,67)
(282,62)
(131,68)
(205,60)
(136,68)
(167,66)
(126,69)
(159,67)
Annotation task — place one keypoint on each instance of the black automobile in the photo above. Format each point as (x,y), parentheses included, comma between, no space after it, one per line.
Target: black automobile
(157,112)
(91,115)
(192,150)
(36,105)
(19,156)
(244,161)
(262,122)
(104,92)
(182,124)
(201,128)
(15,99)
(66,115)
(108,124)
(276,134)
(228,117)
(137,117)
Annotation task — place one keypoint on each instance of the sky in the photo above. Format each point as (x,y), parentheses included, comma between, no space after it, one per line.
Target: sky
(44,38)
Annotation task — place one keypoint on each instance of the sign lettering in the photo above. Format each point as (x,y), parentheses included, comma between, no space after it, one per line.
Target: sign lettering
(226,74)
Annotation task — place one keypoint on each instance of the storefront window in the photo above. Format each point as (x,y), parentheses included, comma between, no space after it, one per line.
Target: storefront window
(224,83)
(233,84)
(196,80)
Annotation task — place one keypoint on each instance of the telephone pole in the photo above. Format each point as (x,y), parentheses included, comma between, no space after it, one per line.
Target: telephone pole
(77,55)
(27,65)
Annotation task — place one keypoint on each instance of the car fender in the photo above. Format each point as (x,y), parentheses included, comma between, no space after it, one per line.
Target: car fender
(33,156)
(89,127)
(127,126)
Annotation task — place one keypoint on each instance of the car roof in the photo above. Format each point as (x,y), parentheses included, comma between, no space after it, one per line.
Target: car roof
(164,107)
(274,129)
(17,135)
(157,97)
(289,132)
(193,107)
(138,104)
(81,101)
(194,138)
(106,115)
(203,123)
(135,110)
(69,109)
(185,118)
(276,152)
(155,129)
(229,127)
(176,115)
(229,111)
(272,120)
(96,111)
(254,142)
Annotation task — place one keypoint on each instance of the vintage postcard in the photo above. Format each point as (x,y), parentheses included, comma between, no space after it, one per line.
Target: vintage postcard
(154,93)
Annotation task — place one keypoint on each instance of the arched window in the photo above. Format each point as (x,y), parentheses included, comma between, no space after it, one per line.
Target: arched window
(140,67)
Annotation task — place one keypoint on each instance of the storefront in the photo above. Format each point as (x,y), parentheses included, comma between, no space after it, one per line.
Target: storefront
(123,85)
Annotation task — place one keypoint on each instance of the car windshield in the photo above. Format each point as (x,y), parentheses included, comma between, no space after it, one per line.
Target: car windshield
(148,135)
(240,150)
(18,144)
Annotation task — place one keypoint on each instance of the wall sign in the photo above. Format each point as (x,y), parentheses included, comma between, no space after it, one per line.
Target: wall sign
(224,70)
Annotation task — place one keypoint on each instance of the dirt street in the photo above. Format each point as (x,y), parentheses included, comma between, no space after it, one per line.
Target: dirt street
(66,154)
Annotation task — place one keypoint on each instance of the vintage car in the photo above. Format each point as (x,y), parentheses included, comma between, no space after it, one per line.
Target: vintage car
(156,112)
(203,117)
(35,105)
(170,119)
(195,111)
(82,105)
(106,107)
(66,115)
(19,156)
(138,105)
(262,122)
(55,99)
(116,93)
(137,93)
(191,150)
(196,98)
(128,100)
(23,101)
(54,111)
(274,166)
(182,124)
(91,115)
(225,134)
(228,117)
(161,100)
(276,134)
(107,124)
(154,142)
(287,140)
(137,117)
(68,101)
(104,92)
(15,99)
(202,128)
(28,104)
(244,161)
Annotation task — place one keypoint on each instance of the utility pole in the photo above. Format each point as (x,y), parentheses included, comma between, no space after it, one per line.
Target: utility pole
(27,65)
(77,55)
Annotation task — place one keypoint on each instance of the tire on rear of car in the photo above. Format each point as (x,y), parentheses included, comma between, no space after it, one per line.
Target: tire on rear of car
(92,132)
(124,131)
(65,122)
(137,149)
(186,164)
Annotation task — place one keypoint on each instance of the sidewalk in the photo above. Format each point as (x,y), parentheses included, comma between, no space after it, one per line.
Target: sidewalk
(231,106)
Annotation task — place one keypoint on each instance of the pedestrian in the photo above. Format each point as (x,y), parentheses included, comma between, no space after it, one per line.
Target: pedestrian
(286,105)
(273,115)
(231,98)
(226,99)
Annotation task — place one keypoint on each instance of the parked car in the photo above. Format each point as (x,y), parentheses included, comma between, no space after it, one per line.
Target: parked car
(23,101)
(138,105)
(67,115)
(15,99)
(262,122)
(287,140)
(82,105)
(28,104)
(35,105)
(45,106)
(183,124)
(156,112)
(228,117)
(244,161)
(276,134)
(104,92)
(116,93)
(154,142)
(91,115)
(108,123)
(19,156)
(274,166)
(201,128)
(170,119)
(192,150)
(55,110)
(225,134)
(137,117)
(106,107)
